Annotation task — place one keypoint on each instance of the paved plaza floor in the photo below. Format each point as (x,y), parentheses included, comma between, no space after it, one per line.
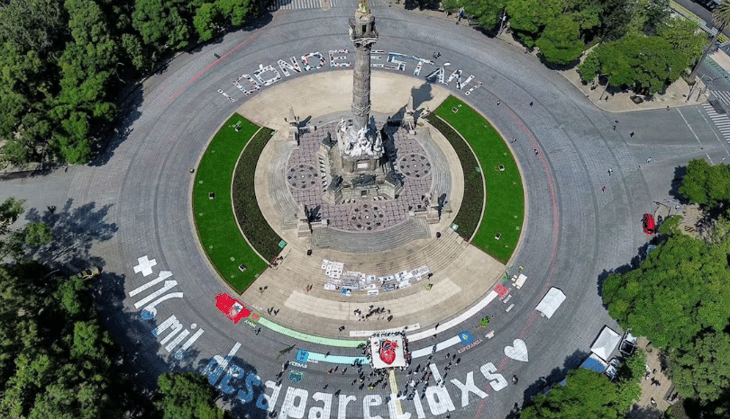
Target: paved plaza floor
(461,274)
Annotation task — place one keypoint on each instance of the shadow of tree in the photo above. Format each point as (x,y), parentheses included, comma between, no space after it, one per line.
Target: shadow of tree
(74,230)
(241,394)
(544,384)
(127,113)
(645,413)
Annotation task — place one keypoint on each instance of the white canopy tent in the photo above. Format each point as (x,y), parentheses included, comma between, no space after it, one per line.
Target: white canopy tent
(605,343)
(552,300)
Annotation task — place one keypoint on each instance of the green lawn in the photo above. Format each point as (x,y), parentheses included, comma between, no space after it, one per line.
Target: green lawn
(505,195)
(217,230)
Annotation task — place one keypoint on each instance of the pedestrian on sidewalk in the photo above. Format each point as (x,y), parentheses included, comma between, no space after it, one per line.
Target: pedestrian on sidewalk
(631,134)
(614,127)
(610,171)
(535,150)
(531,104)
(603,189)
(498,102)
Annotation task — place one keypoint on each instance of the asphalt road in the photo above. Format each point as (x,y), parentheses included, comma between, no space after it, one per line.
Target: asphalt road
(135,201)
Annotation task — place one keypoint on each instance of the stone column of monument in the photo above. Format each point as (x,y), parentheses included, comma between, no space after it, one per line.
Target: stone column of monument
(364,36)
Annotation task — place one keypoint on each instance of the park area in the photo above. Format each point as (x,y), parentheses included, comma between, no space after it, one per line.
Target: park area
(475,140)
(226,248)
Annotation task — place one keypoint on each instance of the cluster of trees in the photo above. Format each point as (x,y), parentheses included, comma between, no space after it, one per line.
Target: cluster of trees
(63,62)
(678,296)
(588,394)
(646,62)
(56,358)
(641,45)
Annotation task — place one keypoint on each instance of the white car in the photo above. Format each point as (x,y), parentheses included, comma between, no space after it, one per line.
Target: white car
(612,369)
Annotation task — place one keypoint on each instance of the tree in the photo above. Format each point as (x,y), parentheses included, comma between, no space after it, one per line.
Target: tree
(684,35)
(656,63)
(529,17)
(161,24)
(705,184)
(188,396)
(587,394)
(560,42)
(615,16)
(207,20)
(15,242)
(236,11)
(676,293)
(487,13)
(590,67)
(678,299)
(702,369)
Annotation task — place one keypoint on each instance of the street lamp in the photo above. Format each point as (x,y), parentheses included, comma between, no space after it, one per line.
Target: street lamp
(715,32)
(707,85)
(501,25)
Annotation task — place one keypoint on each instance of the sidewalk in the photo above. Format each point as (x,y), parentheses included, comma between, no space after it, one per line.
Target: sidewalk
(454,264)
(674,96)
(643,408)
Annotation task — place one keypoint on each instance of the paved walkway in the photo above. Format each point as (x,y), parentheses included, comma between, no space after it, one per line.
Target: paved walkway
(674,96)
(461,273)
(643,409)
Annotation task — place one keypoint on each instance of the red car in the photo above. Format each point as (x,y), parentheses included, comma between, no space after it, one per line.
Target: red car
(648,222)
(232,308)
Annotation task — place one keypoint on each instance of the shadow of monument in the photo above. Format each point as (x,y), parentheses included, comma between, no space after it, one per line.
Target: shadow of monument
(421,94)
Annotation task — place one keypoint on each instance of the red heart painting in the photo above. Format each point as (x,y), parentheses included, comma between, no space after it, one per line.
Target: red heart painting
(387,351)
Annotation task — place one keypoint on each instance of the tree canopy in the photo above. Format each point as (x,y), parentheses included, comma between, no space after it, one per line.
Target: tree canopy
(56,358)
(706,184)
(640,45)
(63,61)
(188,396)
(678,297)
(588,394)
(646,63)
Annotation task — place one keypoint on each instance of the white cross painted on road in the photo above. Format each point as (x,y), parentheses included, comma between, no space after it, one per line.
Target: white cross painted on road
(145,265)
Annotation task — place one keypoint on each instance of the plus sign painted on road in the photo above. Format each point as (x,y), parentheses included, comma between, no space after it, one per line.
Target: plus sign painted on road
(145,265)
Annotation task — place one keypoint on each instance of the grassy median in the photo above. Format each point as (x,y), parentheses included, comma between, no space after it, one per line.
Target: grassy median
(217,229)
(505,205)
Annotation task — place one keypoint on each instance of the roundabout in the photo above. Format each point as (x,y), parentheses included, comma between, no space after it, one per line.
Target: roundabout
(573,232)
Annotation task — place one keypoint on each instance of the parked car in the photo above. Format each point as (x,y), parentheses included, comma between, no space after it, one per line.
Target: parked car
(89,272)
(648,222)
(612,369)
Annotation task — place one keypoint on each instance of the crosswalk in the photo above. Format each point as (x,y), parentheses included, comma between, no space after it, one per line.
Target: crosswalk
(300,4)
(721,71)
(722,96)
(721,120)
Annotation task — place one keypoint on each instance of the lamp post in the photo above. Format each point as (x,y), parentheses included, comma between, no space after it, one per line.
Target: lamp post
(501,25)
(706,84)
(715,33)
